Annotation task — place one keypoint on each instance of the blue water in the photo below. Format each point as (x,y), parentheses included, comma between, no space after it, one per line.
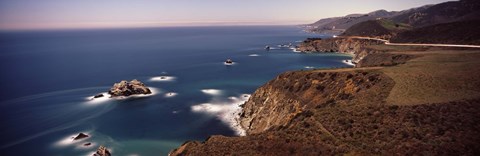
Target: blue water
(47,77)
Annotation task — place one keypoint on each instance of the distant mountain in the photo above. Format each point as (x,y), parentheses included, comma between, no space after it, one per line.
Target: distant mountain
(450,22)
(441,13)
(339,24)
(427,15)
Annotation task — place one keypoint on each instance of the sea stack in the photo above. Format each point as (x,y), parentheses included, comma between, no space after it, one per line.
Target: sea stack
(125,88)
(102,151)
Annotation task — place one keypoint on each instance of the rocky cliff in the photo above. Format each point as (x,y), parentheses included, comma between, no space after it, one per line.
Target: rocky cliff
(282,99)
(359,48)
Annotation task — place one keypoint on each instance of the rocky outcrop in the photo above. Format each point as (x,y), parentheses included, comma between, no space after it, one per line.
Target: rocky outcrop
(80,136)
(125,88)
(280,100)
(355,46)
(102,151)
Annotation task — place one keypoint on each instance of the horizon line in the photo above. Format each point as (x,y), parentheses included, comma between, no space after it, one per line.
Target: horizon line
(127,25)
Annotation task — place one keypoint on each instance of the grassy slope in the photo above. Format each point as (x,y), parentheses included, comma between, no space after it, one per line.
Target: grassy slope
(439,76)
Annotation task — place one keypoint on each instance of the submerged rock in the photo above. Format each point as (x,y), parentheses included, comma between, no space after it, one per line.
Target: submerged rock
(98,96)
(80,136)
(102,151)
(87,144)
(125,88)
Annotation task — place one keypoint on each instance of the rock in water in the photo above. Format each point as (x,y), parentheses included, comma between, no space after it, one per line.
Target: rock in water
(98,96)
(80,136)
(125,88)
(102,151)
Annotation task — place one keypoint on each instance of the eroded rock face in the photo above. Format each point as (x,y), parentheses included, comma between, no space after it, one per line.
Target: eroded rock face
(125,88)
(102,151)
(280,100)
(355,46)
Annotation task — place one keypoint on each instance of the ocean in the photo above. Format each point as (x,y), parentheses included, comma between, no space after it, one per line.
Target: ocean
(48,78)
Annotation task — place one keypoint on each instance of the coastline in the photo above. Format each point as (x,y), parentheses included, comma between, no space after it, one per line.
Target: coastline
(333,100)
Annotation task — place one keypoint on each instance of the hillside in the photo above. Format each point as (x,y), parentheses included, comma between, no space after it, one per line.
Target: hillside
(339,24)
(427,105)
(464,32)
(427,15)
(376,28)
(441,13)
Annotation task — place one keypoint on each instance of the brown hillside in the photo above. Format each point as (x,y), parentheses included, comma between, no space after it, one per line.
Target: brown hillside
(465,32)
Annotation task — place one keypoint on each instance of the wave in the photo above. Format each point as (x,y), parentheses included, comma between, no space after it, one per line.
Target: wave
(348,62)
(170,94)
(295,50)
(254,55)
(76,122)
(227,111)
(48,94)
(212,91)
(60,115)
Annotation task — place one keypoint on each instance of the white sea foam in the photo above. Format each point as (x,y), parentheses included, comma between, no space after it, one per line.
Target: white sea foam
(170,94)
(309,67)
(227,111)
(348,62)
(106,97)
(212,91)
(163,78)
(254,55)
(69,140)
(230,64)
(90,153)
(295,50)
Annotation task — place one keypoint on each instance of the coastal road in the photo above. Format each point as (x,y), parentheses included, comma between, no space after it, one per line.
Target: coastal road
(413,44)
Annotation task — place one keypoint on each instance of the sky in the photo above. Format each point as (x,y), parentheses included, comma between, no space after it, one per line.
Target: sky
(61,14)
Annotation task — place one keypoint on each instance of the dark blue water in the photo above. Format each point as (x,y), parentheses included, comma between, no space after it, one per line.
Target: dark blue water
(47,77)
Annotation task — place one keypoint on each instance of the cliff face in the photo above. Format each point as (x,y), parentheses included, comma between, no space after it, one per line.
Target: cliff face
(355,46)
(280,100)
(293,114)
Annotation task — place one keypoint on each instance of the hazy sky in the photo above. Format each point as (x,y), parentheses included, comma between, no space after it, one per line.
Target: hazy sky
(41,14)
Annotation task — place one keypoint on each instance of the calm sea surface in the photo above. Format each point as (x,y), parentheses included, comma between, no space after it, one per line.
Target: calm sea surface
(47,78)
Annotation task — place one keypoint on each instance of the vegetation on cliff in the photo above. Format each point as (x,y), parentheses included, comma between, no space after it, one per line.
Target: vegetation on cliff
(406,109)
(382,28)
